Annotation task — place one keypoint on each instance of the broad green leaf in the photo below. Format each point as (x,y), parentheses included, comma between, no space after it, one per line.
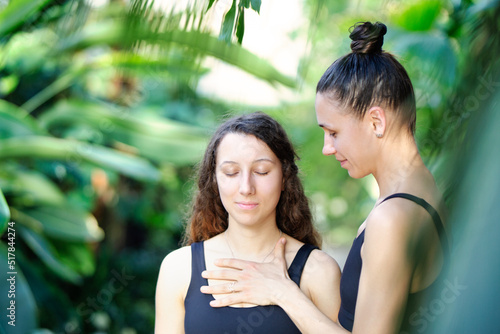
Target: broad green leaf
(4,213)
(67,223)
(256,5)
(30,188)
(155,137)
(76,152)
(231,54)
(240,26)
(210,3)
(46,252)
(25,306)
(18,12)
(417,15)
(106,33)
(228,24)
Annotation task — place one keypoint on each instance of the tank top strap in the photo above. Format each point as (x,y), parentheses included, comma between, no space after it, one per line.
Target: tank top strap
(197,262)
(298,263)
(435,218)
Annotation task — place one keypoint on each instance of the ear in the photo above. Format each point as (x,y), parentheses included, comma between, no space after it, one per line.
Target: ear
(376,118)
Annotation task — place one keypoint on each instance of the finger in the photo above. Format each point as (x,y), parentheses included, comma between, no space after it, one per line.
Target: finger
(231,263)
(219,288)
(227,275)
(231,299)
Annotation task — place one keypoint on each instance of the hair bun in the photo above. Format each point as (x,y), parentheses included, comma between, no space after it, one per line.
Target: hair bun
(367,37)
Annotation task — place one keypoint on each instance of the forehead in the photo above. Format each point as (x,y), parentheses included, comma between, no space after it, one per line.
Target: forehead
(239,147)
(330,112)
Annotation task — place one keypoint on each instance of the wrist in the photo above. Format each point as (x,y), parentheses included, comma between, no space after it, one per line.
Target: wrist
(283,295)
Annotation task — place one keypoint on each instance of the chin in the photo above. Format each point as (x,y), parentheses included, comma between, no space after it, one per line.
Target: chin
(355,175)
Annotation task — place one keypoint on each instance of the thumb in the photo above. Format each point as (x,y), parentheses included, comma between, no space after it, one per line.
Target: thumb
(279,249)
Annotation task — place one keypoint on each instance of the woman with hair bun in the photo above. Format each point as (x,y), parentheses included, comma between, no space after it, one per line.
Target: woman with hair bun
(366,107)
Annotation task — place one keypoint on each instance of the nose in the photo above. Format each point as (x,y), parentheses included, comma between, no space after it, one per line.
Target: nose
(328,146)
(246,184)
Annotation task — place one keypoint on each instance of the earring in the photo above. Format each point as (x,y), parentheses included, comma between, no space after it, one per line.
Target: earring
(379,135)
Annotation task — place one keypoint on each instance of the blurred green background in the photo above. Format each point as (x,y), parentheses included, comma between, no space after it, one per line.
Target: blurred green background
(106,107)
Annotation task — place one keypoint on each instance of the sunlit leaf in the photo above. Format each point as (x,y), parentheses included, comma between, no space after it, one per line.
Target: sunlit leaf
(46,252)
(67,223)
(4,213)
(227,28)
(155,137)
(17,12)
(76,152)
(103,33)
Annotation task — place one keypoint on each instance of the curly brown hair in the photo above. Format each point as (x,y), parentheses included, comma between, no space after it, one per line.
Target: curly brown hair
(293,216)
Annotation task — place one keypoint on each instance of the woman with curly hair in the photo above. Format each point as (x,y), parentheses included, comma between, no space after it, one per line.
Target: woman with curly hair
(249,196)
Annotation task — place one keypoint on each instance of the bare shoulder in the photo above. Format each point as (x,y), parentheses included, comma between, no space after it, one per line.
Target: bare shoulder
(395,227)
(175,270)
(320,264)
(178,257)
(398,215)
(321,282)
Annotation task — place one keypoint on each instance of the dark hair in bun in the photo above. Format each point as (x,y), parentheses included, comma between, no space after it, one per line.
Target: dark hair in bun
(367,37)
(369,76)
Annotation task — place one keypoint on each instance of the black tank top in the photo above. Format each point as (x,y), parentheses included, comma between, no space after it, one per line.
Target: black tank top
(201,318)
(349,281)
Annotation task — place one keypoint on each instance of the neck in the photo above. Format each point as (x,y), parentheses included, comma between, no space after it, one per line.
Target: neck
(399,164)
(251,244)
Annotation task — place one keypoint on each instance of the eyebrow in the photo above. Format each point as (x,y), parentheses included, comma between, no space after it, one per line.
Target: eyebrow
(255,161)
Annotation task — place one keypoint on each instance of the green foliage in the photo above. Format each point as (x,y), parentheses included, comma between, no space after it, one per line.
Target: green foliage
(234,19)
(100,127)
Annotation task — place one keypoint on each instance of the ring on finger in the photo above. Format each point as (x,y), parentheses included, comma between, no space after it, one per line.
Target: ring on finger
(231,287)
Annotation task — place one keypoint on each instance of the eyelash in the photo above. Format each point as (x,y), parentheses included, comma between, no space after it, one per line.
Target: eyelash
(258,173)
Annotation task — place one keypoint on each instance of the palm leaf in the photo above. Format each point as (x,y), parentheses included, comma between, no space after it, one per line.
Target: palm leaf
(76,152)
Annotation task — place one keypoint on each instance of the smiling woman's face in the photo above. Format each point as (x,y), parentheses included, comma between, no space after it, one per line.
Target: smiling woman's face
(249,179)
(346,137)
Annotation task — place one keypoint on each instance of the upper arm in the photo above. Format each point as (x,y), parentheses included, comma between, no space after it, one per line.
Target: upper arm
(321,280)
(386,274)
(171,289)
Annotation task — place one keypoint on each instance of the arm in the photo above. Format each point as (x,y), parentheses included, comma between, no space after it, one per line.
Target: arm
(320,282)
(171,289)
(388,264)
(269,284)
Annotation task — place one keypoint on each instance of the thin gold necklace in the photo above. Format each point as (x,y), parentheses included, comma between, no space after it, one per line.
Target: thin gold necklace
(232,253)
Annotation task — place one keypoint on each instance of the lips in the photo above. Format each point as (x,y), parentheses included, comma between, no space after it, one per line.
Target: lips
(342,162)
(247,205)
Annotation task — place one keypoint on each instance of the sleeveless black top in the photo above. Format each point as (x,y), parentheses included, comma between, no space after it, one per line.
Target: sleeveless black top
(349,281)
(201,318)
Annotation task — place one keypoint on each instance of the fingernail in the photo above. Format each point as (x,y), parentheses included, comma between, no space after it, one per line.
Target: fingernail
(203,273)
